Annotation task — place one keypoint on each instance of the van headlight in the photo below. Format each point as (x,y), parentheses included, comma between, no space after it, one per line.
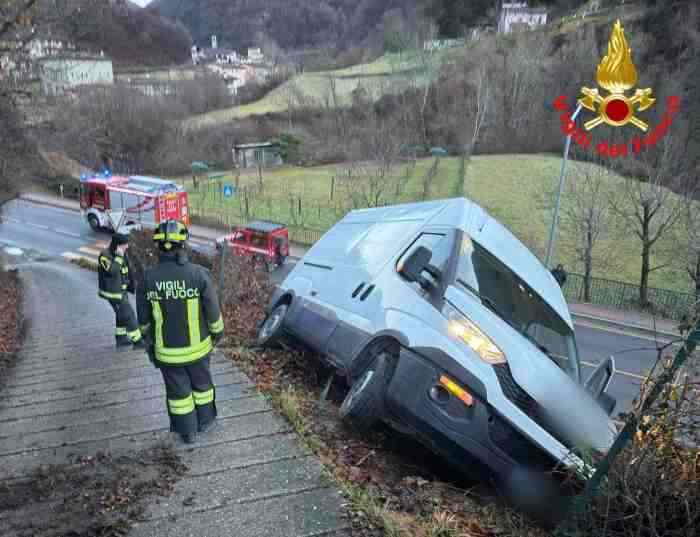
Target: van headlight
(459,327)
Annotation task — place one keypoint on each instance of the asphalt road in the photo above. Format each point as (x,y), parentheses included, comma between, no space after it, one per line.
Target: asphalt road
(52,232)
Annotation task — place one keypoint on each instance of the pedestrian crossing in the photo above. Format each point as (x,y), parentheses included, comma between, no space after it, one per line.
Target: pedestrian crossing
(91,252)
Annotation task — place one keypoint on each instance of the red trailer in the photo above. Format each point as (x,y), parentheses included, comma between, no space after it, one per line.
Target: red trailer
(259,240)
(138,201)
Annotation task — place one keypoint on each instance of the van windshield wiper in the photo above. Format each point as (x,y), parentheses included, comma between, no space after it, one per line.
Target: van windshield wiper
(490,304)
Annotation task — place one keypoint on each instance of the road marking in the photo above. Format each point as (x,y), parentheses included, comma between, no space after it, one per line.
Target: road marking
(40,226)
(69,233)
(620,371)
(13,220)
(73,255)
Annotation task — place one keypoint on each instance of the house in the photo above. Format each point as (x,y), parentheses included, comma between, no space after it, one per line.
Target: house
(62,74)
(517,16)
(265,154)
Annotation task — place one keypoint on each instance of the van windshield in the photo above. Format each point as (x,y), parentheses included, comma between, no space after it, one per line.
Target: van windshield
(506,294)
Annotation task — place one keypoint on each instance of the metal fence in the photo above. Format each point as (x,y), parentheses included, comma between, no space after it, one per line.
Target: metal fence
(625,296)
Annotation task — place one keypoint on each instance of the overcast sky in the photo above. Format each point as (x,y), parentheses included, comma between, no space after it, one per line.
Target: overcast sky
(141,2)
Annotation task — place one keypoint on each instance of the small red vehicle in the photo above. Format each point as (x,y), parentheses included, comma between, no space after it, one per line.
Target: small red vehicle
(261,241)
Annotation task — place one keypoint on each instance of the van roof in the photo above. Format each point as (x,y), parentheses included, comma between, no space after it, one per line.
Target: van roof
(483,228)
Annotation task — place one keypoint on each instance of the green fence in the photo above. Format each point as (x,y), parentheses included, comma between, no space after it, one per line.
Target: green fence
(625,296)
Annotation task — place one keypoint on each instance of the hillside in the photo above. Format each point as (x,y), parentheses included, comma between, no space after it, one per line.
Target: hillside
(291,24)
(128,34)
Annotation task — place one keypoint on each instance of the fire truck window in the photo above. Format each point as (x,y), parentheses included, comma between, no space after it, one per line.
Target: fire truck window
(238,237)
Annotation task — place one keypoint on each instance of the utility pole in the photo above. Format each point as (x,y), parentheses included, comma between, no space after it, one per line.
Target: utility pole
(555,218)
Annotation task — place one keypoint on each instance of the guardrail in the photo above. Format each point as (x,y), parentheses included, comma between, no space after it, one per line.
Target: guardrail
(625,296)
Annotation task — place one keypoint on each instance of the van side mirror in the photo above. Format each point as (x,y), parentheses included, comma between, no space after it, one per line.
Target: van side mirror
(413,266)
(598,382)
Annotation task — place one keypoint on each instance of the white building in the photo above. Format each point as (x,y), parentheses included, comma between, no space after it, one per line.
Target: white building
(517,16)
(62,74)
(255,55)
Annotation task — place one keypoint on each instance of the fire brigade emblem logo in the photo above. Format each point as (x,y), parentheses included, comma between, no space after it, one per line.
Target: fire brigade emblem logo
(616,74)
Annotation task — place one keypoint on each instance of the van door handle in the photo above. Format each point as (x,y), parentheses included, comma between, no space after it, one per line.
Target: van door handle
(367,292)
(359,288)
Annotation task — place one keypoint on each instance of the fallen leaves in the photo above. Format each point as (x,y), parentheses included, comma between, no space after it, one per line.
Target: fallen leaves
(10,318)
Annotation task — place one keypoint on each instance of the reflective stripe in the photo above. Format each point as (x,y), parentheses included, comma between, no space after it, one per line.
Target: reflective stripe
(183,355)
(119,260)
(171,237)
(121,331)
(158,318)
(181,406)
(134,335)
(145,328)
(125,286)
(110,296)
(203,398)
(217,326)
(193,320)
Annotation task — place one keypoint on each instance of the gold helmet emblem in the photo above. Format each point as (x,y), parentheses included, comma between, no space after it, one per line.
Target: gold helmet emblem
(616,73)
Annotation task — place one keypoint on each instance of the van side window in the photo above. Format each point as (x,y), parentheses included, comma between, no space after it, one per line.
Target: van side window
(437,243)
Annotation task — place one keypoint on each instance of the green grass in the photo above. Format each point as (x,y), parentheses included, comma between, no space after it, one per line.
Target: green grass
(388,73)
(509,187)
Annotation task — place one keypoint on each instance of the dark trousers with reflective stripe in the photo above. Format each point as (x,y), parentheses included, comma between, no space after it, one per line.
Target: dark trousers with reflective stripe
(190,395)
(127,325)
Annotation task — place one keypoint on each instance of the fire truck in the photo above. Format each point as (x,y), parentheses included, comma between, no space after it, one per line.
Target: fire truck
(124,203)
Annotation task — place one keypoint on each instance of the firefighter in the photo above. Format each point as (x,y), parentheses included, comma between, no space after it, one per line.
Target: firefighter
(180,319)
(115,283)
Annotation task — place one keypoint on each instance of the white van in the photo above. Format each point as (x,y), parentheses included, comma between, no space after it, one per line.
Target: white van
(447,328)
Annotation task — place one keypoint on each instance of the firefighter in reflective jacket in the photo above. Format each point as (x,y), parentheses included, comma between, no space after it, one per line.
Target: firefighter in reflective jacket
(181,322)
(115,282)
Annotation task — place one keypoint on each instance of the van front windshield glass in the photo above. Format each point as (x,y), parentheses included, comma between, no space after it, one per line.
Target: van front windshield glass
(509,297)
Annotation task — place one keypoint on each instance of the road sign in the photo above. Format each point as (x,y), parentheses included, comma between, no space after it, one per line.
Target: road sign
(228,191)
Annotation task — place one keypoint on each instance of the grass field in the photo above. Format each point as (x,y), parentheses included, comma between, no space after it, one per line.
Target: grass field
(389,73)
(509,187)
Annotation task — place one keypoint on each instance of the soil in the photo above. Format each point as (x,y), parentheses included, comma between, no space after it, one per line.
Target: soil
(11,320)
(96,496)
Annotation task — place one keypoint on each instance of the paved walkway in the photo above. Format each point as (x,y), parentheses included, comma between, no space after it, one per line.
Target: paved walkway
(72,394)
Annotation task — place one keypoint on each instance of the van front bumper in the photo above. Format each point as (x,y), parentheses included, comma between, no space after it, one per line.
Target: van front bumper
(448,426)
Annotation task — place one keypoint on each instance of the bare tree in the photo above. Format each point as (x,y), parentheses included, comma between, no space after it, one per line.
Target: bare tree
(587,217)
(428,178)
(692,236)
(649,207)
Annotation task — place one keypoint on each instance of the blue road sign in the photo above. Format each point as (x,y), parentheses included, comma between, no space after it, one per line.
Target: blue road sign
(228,191)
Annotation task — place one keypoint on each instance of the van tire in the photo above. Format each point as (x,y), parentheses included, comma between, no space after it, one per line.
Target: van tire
(270,330)
(93,222)
(363,405)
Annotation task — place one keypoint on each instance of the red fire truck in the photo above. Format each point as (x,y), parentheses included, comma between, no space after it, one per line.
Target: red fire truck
(131,202)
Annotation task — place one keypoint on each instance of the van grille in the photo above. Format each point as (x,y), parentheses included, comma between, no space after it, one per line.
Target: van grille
(522,400)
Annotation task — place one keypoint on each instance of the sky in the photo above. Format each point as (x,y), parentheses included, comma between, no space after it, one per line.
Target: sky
(141,3)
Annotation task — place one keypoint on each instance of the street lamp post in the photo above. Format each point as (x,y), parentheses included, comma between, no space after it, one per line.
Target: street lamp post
(555,218)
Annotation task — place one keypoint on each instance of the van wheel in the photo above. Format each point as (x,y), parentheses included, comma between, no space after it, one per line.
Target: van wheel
(363,406)
(94,222)
(270,331)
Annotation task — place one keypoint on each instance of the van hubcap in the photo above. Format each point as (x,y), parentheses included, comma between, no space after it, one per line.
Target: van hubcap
(358,387)
(271,324)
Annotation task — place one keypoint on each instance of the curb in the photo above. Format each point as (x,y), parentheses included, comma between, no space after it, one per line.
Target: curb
(640,330)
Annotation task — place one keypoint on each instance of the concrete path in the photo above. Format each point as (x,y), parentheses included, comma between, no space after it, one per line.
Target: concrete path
(72,394)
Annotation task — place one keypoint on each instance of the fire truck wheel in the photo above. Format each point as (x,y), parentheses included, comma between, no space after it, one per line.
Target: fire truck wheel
(270,330)
(94,222)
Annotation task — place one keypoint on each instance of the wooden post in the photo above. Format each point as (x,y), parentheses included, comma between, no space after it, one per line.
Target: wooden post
(332,186)
(299,205)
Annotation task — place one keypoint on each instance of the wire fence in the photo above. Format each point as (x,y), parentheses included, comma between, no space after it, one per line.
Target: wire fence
(625,296)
